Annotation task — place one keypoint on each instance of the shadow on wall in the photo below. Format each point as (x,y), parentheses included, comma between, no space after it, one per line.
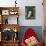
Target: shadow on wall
(37,29)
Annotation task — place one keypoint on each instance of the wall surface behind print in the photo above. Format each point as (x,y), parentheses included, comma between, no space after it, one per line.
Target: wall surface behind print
(22,21)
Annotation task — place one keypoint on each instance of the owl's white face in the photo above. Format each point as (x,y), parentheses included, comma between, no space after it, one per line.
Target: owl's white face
(31,41)
(29,13)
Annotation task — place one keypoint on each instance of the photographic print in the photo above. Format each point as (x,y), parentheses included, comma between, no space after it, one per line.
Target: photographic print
(29,12)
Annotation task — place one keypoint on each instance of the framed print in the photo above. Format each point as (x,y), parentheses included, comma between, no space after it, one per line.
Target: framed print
(29,12)
(5,12)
